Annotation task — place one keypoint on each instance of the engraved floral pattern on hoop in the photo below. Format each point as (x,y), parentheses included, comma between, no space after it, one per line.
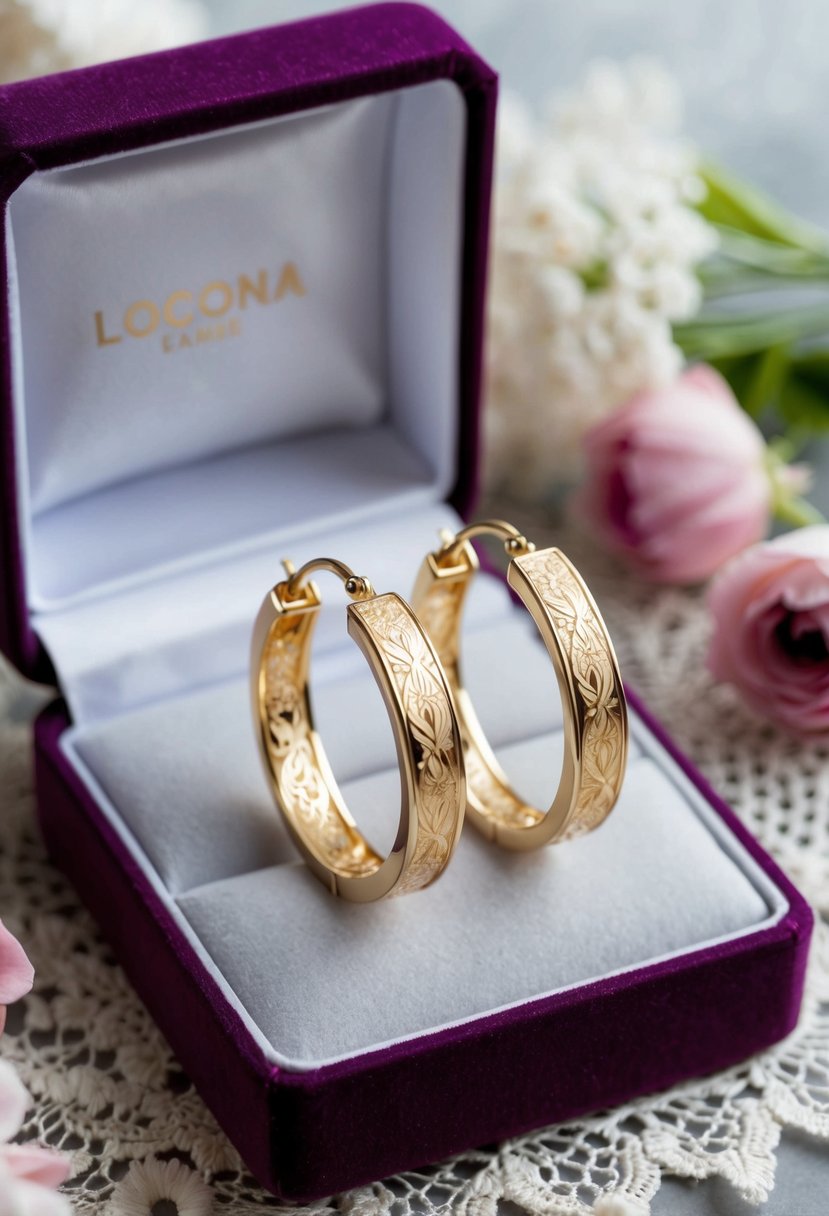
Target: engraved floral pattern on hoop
(412,667)
(587,647)
(302,786)
(426,703)
(439,614)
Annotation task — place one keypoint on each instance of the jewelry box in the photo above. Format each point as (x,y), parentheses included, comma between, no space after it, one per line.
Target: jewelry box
(245,285)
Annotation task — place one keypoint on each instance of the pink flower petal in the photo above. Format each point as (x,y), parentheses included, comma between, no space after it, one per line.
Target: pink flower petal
(44,1166)
(763,605)
(16,972)
(705,378)
(676,479)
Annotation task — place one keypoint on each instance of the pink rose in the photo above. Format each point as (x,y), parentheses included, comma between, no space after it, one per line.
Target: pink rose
(26,1170)
(16,974)
(677,480)
(771,628)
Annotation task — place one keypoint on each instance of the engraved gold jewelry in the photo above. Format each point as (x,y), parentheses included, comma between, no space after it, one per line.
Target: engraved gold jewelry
(403,662)
(595,713)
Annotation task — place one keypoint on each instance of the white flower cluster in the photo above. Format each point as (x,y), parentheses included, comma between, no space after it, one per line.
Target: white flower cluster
(595,245)
(39,36)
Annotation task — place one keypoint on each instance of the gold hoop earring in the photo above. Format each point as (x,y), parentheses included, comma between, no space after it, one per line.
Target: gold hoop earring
(595,713)
(414,687)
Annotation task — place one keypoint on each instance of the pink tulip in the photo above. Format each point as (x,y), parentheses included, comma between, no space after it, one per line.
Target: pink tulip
(16,973)
(677,479)
(771,628)
(28,1173)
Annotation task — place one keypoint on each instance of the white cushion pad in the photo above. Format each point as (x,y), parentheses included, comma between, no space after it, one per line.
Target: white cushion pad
(319,978)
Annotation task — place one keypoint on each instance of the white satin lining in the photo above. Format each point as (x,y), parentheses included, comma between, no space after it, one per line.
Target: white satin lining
(329,409)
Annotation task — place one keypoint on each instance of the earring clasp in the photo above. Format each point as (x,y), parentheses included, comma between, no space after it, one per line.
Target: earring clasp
(515,543)
(289,591)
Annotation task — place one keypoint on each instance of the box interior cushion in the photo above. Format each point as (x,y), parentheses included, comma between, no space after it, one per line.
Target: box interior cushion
(309,265)
(317,979)
(199,753)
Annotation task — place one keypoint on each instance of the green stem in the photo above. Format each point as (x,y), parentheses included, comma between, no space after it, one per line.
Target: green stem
(786,504)
(797,512)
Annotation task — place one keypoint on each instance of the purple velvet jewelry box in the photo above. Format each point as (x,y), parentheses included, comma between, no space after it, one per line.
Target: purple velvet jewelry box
(245,287)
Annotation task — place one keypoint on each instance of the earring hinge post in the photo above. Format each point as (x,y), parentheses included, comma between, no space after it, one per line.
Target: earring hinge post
(356,586)
(515,543)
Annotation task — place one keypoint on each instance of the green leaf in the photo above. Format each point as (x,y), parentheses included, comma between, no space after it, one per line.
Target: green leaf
(756,379)
(743,260)
(713,336)
(771,371)
(739,371)
(804,402)
(813,366)
(737,204)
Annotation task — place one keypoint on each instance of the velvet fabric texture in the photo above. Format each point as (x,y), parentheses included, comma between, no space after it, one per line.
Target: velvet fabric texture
(308,1134)
(116,107)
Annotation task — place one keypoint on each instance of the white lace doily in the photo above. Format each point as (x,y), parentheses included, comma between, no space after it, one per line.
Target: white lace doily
(106,1088)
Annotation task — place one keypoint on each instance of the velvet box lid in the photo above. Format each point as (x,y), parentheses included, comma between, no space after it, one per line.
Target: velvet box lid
(135,486)
(111,109)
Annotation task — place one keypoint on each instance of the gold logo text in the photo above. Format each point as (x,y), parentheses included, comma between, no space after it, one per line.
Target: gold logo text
(187,318)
